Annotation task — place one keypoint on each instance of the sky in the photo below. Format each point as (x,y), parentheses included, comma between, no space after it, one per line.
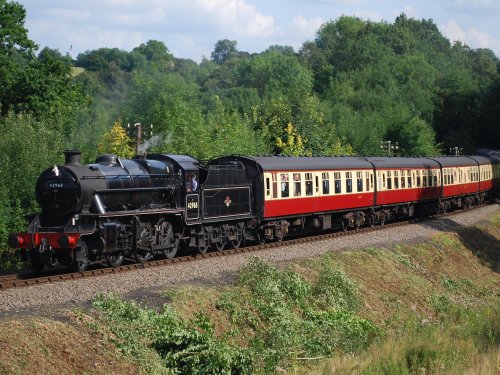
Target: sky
(190,28)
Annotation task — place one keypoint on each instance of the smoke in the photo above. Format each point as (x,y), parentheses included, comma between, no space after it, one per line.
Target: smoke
(151,142)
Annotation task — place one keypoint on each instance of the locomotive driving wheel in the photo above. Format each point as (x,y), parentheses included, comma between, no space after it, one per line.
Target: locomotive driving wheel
(115,260)
(142,255)
(221,243)
(203,242)
(82,257)
(169,242)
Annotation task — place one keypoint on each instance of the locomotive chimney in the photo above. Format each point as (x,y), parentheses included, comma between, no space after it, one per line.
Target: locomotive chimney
(72,157)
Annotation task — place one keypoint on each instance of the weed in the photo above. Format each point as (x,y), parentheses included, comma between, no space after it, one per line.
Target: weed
(421,359)
(405,260)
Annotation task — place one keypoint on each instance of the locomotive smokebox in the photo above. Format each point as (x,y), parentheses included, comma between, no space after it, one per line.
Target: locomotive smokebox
(72,157)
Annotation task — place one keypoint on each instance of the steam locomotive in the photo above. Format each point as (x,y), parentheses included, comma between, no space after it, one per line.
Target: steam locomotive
(116,209)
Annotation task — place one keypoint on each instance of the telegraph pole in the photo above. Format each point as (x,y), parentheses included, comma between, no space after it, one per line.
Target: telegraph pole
(389,146)
(456,150)
(139,135)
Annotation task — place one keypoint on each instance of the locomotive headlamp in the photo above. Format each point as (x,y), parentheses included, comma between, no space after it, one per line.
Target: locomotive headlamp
(68,241)
(16,241)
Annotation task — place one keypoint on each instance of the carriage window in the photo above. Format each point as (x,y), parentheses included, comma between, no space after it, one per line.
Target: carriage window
(429,177)
(403,179)
(371,180)
(396,180)
(326,182)
(383,180)
(424,178)
(409,174)
(389,180)
(359,181)
(309,184)
(285,189)
(367,178)
(435,179)
(418,179)
(338,184)
(316,185)
(296,184)
(275,185)
(348,182)
(268,187)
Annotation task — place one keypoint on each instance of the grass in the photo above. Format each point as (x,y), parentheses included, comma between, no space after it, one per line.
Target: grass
(426,308)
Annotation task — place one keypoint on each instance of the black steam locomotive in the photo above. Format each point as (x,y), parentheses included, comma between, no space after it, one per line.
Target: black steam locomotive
(118,208)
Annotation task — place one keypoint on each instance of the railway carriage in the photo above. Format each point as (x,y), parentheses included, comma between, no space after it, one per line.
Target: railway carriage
(404,182)
(465,181)
(299,194)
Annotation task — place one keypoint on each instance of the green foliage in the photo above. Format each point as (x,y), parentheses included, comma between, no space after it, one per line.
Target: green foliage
(227,129)
(27,147)
(117,142)
(292,318)
(319,137)
(334,289)
(223,50)
(184,347)
(277,317)
(421,359)
(291,144)
(400,81)
(42,87)
(445,347)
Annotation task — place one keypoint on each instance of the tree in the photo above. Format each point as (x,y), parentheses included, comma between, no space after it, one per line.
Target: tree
(156,53)
(172,105)
(223,50)
(42,86)
(291,143)
(27,147)
(231,133)
(117,142)
(101,58)
(16,51)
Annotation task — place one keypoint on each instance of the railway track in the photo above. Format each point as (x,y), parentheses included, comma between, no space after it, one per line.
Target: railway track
(29,279)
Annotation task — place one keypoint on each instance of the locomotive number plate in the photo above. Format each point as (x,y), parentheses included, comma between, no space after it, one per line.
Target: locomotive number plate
(192,205)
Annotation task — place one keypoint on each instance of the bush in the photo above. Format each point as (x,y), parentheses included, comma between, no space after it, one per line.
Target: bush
(184,347)
(277,317)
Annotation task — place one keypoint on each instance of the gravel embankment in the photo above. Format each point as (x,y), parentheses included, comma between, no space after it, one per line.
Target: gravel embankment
(144,285)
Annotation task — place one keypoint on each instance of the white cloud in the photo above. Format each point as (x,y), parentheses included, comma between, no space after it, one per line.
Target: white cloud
(369,15)
(184,26)
(237,16)
(453,31)
(306,26)
(473,37)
